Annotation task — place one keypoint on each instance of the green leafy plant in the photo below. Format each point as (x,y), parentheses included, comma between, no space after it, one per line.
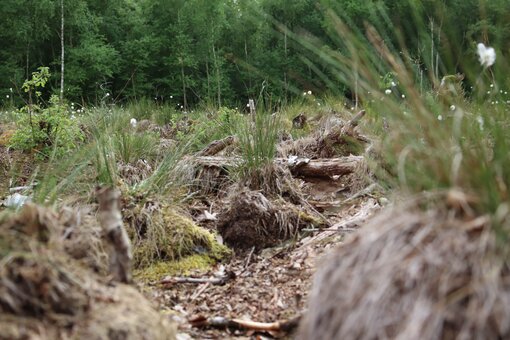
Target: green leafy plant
(46,130)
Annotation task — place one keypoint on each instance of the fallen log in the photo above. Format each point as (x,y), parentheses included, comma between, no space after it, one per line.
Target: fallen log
(327,167)
(216,146)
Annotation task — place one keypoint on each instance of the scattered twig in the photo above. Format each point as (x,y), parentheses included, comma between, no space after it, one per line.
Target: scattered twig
(340,230)
(197,280)
(200,290)
(222,322)
(248,260)
(22,188)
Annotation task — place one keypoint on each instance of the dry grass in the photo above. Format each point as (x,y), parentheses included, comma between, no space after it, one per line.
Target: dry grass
(413,274)
(45,293)
(253,220)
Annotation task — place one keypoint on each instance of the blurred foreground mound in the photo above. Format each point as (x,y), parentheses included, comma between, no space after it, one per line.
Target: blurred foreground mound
(410,274)
(51,289)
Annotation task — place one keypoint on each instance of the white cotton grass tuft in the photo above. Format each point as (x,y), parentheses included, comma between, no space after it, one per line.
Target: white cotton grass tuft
(388,91)
(486,55)
(133,122)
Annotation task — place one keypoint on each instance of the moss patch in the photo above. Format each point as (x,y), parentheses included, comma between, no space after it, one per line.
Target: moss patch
(185,266)
(165,235)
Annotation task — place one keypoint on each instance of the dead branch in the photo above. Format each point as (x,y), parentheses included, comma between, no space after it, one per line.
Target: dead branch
(216,146)
(222,322)
(348,129)
(118,240)
(328,167)
(198,280)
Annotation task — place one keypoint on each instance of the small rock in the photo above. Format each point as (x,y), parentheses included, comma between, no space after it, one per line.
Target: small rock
(16,200)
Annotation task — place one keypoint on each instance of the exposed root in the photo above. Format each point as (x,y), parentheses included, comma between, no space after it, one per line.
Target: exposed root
(252,220)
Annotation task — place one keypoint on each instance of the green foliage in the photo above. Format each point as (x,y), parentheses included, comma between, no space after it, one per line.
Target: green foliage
(131,146)
(48,130)
(39,79)
(258,136)
(224,52)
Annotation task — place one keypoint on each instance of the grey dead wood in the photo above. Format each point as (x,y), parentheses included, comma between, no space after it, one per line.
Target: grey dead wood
(110,219)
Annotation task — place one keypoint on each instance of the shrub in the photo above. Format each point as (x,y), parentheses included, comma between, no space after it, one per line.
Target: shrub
(46,130)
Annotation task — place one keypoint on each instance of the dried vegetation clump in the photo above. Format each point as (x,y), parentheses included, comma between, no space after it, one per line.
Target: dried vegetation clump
(46,293)
(334,137)
(253,220)
(160,233)
(410,274)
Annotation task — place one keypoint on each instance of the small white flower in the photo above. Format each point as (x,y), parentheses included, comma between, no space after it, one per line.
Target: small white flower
(7,96)
(506,92)
(133,122)
(488,92)
(440,117)
(480,121)
(108,94)
(388,91)
(318,104)
(292,159)
(452,108)
(492,85)
(304,93)
(171,97)
(352,108)
(248,105)
(10,89)
(486,55)
(492,103)
(309,92)
(393,84)
(403,96)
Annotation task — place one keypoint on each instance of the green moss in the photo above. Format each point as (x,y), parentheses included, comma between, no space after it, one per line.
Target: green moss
(183,266)
(172,236)
(306,217)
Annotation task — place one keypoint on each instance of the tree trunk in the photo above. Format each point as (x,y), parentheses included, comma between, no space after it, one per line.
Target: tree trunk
(185,104)
(218,80)
(62,50)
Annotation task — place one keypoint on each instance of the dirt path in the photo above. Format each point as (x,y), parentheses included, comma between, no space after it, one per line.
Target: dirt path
(268,287)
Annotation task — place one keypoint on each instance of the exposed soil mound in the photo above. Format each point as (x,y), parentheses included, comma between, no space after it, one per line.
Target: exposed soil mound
(45,293)
(413,275)
(252,220)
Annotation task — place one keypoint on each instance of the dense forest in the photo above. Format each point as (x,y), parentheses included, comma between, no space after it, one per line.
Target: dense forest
(225,51)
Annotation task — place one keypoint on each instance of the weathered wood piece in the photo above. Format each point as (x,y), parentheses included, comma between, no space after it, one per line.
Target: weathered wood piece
(216,146)
(110,220)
